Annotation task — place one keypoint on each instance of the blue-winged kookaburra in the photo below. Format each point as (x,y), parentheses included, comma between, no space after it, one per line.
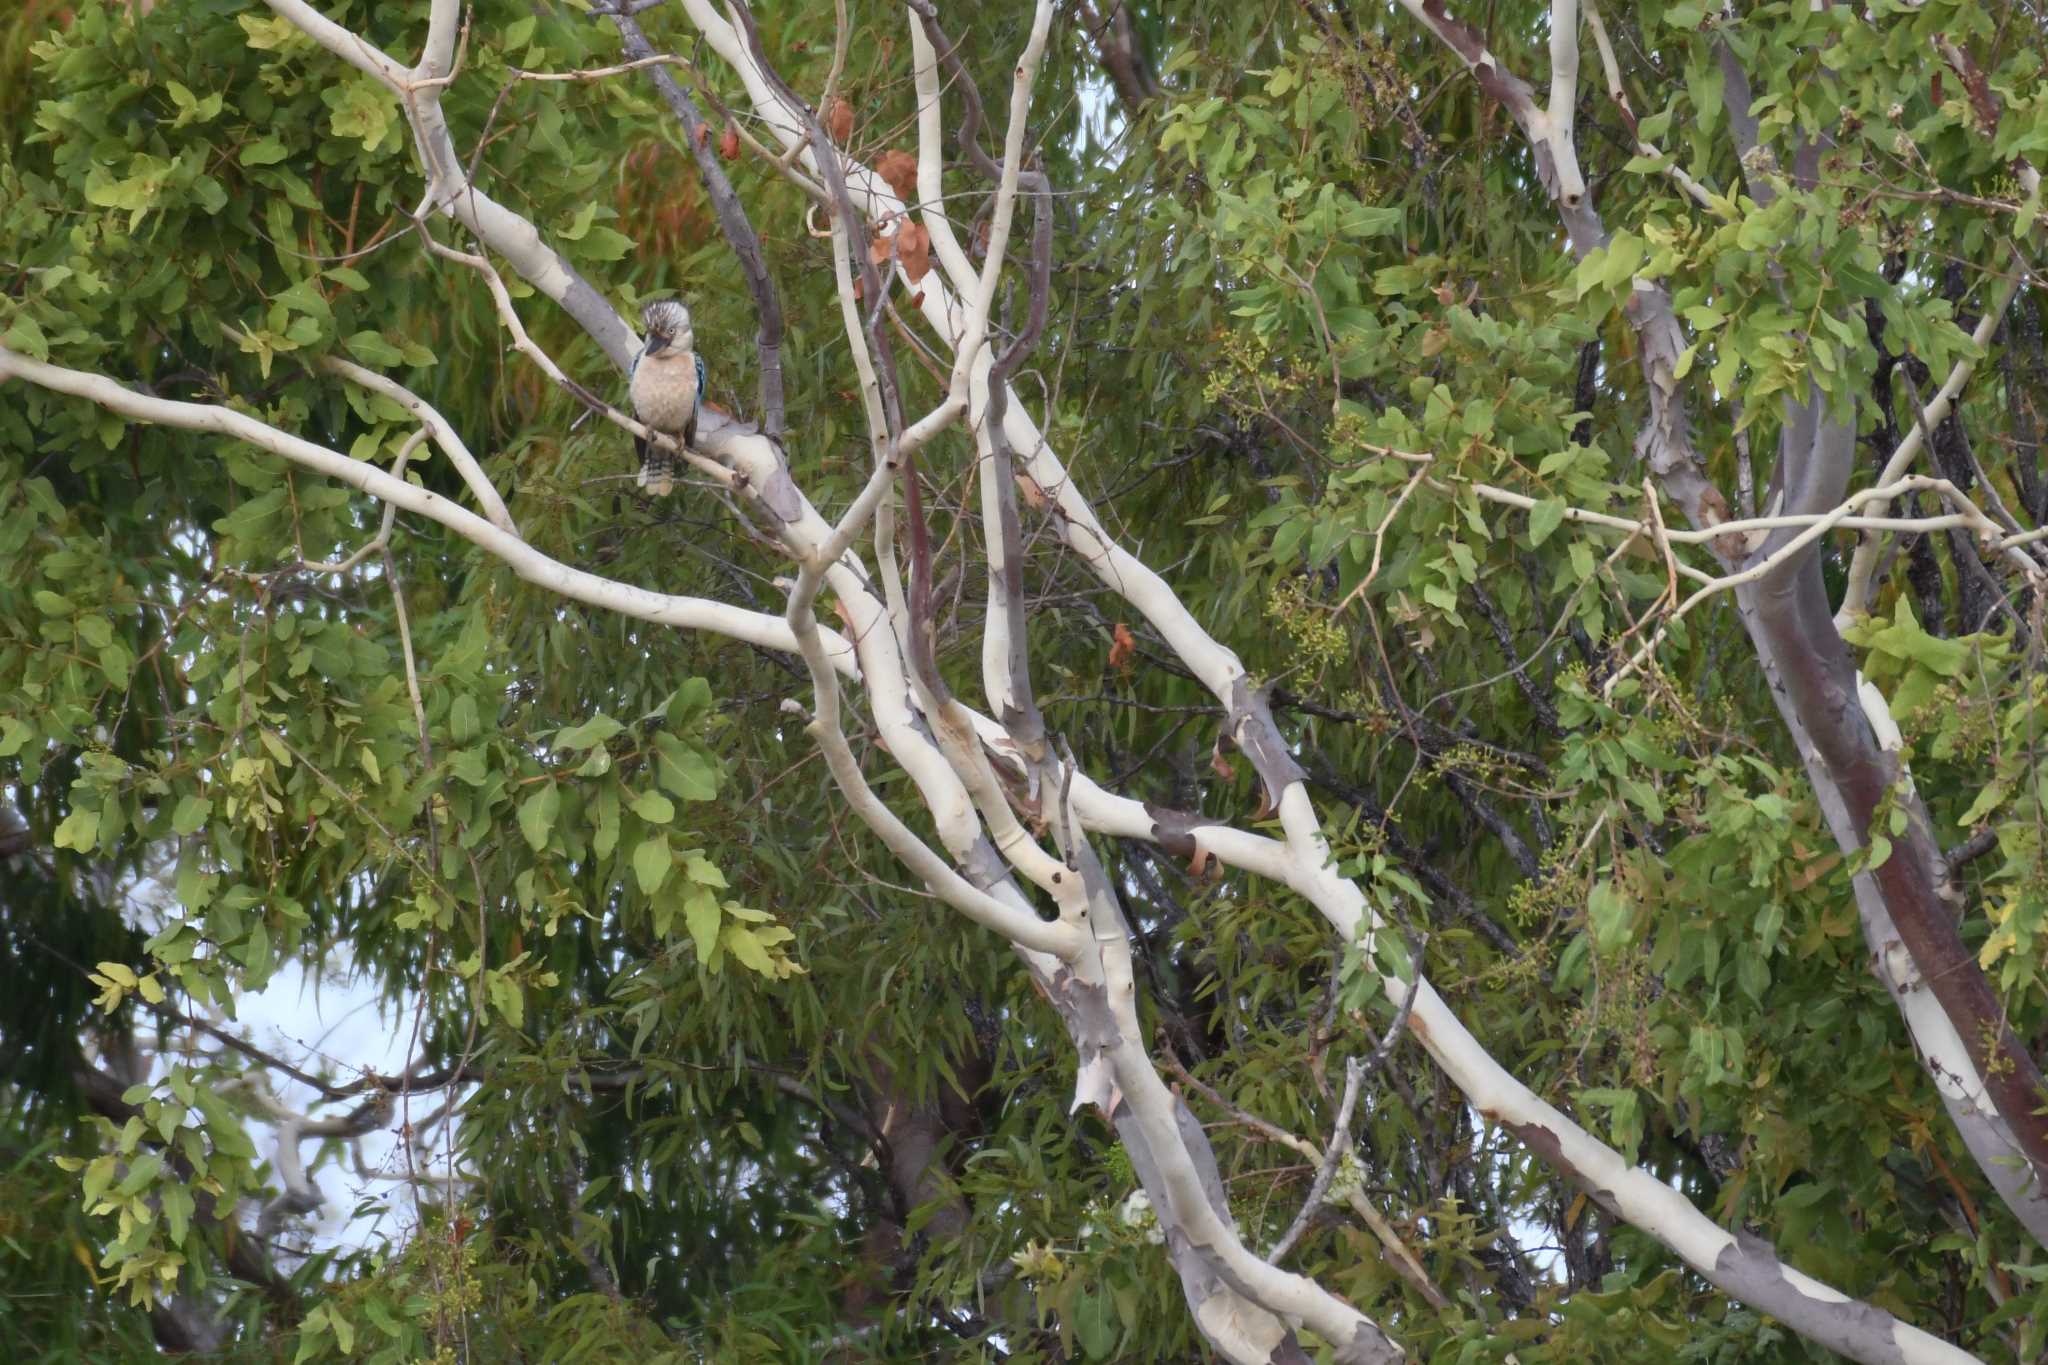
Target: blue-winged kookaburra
(667,388)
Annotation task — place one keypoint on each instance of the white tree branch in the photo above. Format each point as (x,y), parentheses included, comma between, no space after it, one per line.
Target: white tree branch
(439,427)
(1749,1271)
(687,613)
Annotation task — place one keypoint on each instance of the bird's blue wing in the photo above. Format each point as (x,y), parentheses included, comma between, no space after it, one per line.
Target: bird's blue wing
(697,405)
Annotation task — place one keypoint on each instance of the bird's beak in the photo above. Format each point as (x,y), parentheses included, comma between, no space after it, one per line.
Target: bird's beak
(656,344)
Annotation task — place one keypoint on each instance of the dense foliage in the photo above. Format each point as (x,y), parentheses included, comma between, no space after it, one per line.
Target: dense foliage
(1319,351)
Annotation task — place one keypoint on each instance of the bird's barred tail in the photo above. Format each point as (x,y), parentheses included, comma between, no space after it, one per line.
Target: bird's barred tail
(657,470)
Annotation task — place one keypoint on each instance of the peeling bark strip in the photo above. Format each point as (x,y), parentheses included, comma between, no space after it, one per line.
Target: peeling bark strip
(1173,829)
(1251,725)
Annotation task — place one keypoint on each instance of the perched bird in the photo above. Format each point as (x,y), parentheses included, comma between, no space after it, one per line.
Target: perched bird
(667,388)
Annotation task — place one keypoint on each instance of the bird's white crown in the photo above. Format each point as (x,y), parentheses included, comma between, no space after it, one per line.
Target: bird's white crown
(668,318)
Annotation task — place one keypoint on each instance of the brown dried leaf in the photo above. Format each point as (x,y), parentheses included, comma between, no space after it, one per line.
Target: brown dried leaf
(1813,871)
(1220,765)
(914,249)
(1034,496)
(899,168)
(729,143)
(703,133)
(839,119)
(1122,648)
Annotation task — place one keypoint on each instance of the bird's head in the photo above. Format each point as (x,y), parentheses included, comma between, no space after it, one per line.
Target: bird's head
(668,325)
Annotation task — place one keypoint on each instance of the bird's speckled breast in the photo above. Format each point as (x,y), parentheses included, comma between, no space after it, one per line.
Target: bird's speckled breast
(664,389)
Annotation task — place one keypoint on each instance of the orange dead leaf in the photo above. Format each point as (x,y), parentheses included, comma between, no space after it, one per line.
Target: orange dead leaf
(900,170)
(1220,765)
(914,249)
(839,119)
(703,133)
(1813,871)
(729,143)
(1122,648)
(1034,496)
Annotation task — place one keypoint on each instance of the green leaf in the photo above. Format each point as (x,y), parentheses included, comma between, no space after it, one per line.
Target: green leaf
(79,830)
(580,224)
(701,916)
(24,335)
(1989,798)
(462,719)
(344,1332)
(372,349)
(265,151)
(1372,220)
(652,862)
(116,663)
(596,730)
(689,703)
(537,815)
(192,813)
(605,244)
(178,1206)
(1094,1323)
(1544,518)
(1610,915)
(654,808)
(741,942)
(507,998)
(685,770)
(1625,1116)
(361,109)
(606,828)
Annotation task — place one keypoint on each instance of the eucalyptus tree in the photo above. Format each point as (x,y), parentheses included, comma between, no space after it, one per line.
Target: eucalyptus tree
(1340,540)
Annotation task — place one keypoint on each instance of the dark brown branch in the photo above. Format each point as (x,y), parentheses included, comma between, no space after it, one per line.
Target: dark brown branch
(732,215)
(1971,849)
(1120,54)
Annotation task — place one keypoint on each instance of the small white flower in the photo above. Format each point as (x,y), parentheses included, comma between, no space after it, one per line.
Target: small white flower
(1138,1216)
